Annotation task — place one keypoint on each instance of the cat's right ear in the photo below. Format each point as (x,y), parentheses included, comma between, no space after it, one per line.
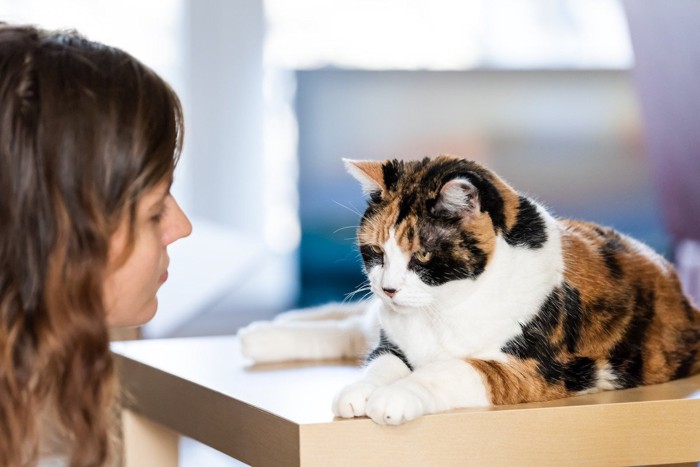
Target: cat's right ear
(458,197)
(368,173)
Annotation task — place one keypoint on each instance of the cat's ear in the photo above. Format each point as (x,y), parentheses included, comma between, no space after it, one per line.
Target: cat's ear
(458,197)
(368,173)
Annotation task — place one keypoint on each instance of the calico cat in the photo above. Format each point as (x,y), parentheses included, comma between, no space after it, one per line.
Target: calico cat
(482,297)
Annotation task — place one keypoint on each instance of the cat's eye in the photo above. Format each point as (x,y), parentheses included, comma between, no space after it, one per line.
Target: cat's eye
(423,256)
(376,249)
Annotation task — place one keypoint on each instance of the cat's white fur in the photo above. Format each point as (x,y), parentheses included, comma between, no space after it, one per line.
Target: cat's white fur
(437,328)
(333,331)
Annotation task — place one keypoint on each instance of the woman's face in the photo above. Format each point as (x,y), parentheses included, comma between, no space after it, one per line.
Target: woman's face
(130,286)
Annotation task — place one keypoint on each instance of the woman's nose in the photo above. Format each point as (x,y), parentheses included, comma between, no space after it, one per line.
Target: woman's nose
(180,226)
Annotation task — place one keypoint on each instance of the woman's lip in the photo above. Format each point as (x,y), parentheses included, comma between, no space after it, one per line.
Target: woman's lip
(163,278)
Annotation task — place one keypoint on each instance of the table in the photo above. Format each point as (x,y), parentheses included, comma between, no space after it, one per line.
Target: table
(281,415)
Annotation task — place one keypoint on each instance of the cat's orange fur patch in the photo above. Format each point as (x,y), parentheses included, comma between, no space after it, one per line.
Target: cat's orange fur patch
(640,271)
(373,170)
(516,381)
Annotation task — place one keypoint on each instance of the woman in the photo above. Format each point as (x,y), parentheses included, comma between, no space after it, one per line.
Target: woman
(89,138)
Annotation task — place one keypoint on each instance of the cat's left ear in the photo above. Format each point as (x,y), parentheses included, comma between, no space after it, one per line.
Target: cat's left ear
(368,173)
(458,197)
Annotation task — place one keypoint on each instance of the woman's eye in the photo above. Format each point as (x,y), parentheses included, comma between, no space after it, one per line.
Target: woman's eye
(159,214)
(423,256)
(156,218)
(376,249)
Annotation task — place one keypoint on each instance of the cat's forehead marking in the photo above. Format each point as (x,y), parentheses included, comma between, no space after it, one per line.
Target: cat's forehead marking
(378,229)
(409,188)
(405,234)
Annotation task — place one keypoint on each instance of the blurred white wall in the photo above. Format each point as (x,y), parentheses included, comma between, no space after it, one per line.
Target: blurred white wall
(211,52)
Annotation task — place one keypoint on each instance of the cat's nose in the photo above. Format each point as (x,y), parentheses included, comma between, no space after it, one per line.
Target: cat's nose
(390,292)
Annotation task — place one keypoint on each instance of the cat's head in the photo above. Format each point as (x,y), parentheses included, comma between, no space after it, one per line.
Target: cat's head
(428,223)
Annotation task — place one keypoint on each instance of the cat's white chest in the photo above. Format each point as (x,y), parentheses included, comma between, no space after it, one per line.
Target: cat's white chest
(426,338)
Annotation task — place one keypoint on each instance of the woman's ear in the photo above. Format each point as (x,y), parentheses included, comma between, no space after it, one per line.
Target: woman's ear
(368,173)
(458,198)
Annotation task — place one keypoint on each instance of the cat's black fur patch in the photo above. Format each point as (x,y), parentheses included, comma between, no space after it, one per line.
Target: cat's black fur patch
(688,339)
(580,374)
(371,257)
(609,310)
(626,357)
(535,339)
(609,252)
(573,317)
(551,369)
(477,256)
(410,233)
(536,342)
(405,206)
(385,346)
(686,365)
(447,263)
(391,173)
(529,229)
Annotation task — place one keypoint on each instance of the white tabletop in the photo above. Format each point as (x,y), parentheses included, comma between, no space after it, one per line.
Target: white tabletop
(281,415)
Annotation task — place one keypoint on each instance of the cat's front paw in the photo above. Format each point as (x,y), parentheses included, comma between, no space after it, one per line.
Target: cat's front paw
(394,405)
(352,400)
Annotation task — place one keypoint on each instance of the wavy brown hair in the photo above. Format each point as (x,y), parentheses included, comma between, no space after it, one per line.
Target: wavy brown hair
(85,130)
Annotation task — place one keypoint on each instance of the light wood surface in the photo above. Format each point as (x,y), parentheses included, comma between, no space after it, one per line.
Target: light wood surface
(148,443)
(280,415)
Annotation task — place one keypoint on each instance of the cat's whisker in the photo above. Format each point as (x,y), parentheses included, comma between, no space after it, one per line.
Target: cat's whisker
(354,227)
(351,209)
(351,295)
(363,287)
(366,297)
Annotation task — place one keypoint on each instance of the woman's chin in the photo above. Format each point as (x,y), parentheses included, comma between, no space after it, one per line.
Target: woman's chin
(148,313)
(127,319)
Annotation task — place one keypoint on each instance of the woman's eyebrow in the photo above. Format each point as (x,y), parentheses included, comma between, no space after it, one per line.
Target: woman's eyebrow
(157,202)
(166,192)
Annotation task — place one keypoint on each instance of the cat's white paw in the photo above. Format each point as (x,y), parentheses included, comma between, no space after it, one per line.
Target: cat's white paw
(352,400)
(294,315)
(262,341)
(394,405)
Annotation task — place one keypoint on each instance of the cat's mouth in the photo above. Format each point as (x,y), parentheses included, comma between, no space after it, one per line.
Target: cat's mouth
(400,309)
(399,306)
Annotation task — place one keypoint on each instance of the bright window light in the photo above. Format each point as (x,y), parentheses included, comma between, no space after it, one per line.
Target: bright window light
(447,34)
(152,31)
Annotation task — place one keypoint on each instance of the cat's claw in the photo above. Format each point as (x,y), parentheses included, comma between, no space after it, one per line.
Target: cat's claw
(394,405)
(352,400)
